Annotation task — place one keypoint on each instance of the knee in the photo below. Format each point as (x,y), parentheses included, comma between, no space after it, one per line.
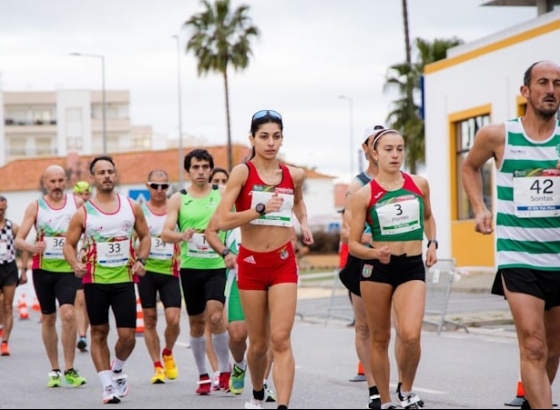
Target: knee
(409,340)
(258,347)
(280,341)
(380,340)
(362,331)
(534,349)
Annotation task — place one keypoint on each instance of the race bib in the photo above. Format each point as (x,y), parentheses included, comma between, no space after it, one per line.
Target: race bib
(54,247)
(399,217)
(199,248)
(3,249)
(536,193)
(161,250)
(262,194)
(113,254)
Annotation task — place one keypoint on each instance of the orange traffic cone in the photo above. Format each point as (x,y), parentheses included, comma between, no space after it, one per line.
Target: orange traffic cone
(36,307)
(22,308)
(519,396)
(139,317)
(360,376)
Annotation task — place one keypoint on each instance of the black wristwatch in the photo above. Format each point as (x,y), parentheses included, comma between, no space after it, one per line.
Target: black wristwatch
(432,241)
(225,252)
(141,260)
(261,209)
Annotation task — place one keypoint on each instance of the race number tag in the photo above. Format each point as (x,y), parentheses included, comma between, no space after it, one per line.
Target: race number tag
(400,216)
(3,249)
(536,193)
(161,250)
(261,195)
(199,248)
(113,254)
(54,247)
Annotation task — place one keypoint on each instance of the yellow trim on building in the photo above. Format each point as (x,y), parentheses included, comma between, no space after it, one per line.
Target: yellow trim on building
(521,103)
(490,48)
(480,248)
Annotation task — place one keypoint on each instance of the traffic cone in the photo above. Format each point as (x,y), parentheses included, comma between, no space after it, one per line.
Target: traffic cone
(36,307)
(519,396)
(139,318)
(360,375)
(22,308)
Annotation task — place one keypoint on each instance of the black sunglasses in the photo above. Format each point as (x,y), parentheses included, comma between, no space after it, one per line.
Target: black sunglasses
(155,186)
(266,113)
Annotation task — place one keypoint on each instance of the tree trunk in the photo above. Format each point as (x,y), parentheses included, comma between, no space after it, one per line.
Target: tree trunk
(228,122)
(409,80)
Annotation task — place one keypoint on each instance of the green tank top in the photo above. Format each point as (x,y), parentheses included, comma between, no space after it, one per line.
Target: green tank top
(195,213)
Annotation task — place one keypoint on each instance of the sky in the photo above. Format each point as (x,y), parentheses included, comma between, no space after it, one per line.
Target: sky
(309,54)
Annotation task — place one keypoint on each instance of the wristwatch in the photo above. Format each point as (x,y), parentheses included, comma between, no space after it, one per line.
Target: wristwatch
(261,209)
(141,260)
(225,252)
(432,241)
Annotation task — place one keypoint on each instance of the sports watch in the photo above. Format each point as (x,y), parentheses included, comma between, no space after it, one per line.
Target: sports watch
(141,260)
(432,241)
(261,209)
(225,252)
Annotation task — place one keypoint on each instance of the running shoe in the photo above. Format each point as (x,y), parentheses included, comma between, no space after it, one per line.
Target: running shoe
(82,345)
(417,400)
(121,383)
(72,377)
(216,381)
(159,376)
(408,402)
(4,350)
(525,405)
(171,370)
(374,401)
(270,395)
(237,380)
(224,381)
(254,404)
(110,395)
(55,379)
(204,385)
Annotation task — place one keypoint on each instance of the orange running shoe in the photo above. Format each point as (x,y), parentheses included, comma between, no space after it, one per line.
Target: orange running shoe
(4,350)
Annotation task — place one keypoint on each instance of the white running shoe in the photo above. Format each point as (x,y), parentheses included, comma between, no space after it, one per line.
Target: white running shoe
(254,404)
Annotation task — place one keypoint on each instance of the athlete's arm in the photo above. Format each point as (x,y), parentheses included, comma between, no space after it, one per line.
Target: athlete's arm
(211,234)
(429,220)
(142,231)
(28,221)
(169,234)
(356,248)
(24,259)
(347,215)
(299,209)
(488,143)
(73,235)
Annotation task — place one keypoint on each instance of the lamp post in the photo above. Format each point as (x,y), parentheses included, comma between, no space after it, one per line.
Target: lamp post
(103,101)
(351,133)
(180,108)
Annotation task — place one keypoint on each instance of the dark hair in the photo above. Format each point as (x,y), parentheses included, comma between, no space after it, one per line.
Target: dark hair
(217,170)
(201,155)
(157,171)
(3,198)
(100,158)
(528,76)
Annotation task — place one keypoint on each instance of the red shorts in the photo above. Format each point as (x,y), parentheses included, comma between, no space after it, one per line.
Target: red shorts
(261,270)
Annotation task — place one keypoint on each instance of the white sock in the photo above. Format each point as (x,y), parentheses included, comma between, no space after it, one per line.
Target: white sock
(242,365)
(106,378)
(118,364)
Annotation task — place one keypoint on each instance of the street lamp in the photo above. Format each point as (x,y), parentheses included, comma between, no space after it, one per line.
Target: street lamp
(103,102)
(179,105)
(351,134)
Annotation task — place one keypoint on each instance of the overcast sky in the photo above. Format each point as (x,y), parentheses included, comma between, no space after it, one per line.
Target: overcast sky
(308,54)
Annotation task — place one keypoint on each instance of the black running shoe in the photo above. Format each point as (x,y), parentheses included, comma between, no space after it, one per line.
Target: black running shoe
(418,402)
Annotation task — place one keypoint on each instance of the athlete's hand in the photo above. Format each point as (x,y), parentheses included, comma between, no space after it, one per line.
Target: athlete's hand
(366,238)
(231,261)
(23,277)
(384,254)
(138,268)
(39,247)
(188,234)
(274,204)
(483,222)
(79,269)
(431,257)
(306,235)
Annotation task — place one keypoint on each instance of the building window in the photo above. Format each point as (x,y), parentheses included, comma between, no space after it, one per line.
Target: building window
(466,131)
(17,147)
(43,146)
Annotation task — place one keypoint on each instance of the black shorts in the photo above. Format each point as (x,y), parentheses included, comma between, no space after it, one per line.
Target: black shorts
(200,286)
(53,286)
(9,275)
(167,285)
(119,297)
(350,274)
(400,269)
(541,284)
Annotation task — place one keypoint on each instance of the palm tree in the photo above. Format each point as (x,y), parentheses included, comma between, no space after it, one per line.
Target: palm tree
(221,38)
(405,79)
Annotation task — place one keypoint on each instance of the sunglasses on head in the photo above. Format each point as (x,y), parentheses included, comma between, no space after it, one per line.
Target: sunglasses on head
(155,186)
(266,113)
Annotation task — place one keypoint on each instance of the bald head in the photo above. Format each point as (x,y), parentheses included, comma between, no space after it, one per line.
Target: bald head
(54,181)
(539,66)
(53,170)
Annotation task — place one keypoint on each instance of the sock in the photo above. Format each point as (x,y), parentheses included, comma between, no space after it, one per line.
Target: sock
(373,391)
(243,365)
(166,352)
(66,371)
(220,343)
(405,393)
(198,347)
(105,377)
(118,365)
(158,364)
(83,337)
(258,395)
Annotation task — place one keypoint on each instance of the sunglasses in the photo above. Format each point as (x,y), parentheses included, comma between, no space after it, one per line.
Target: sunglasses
(155,186)
(266,113)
